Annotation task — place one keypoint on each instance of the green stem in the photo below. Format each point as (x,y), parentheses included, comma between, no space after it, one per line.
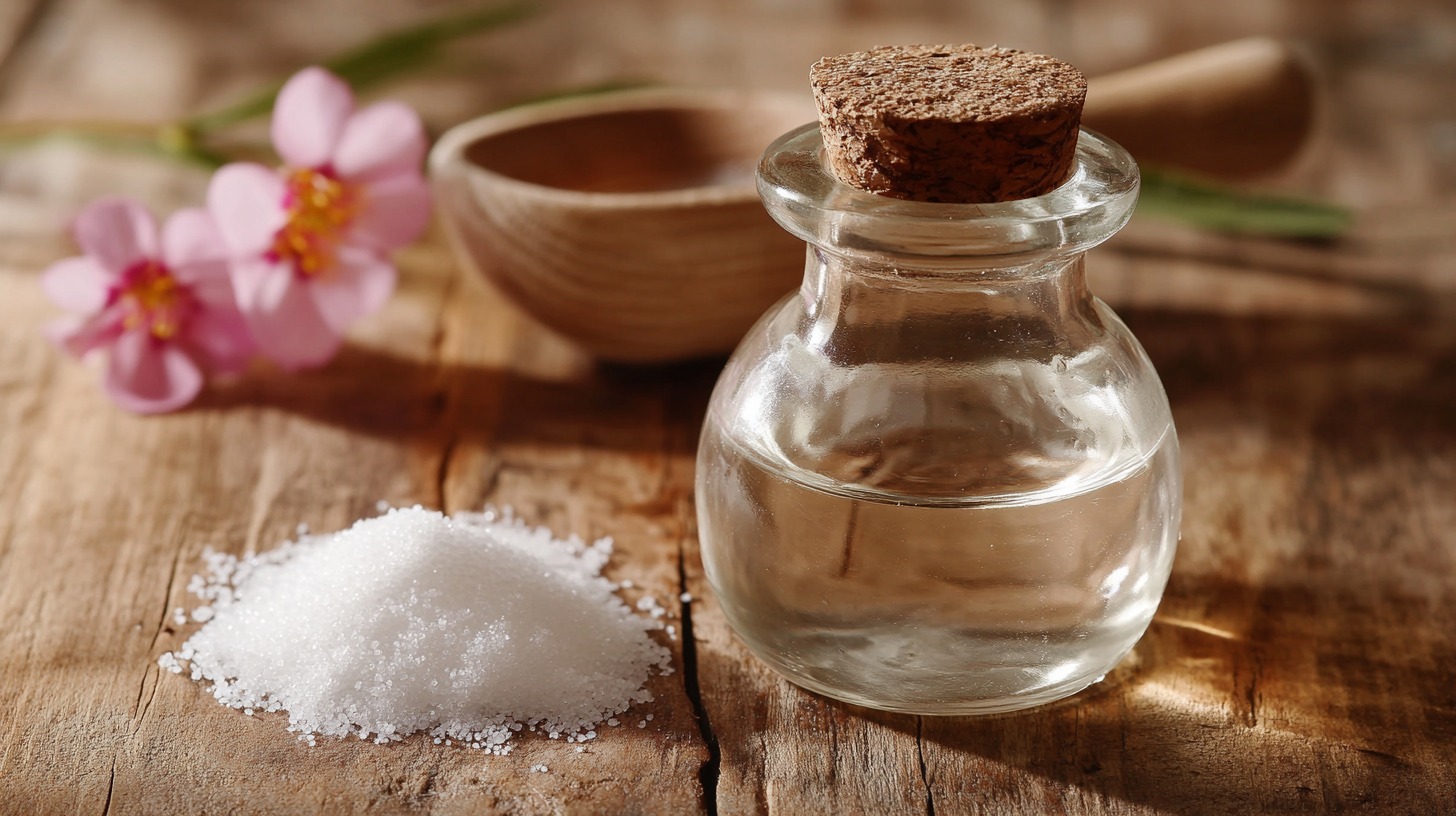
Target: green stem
(1221,209)
(169,141)
(376,61)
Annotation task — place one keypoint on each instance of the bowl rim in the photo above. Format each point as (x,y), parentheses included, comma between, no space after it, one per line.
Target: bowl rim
(446,157)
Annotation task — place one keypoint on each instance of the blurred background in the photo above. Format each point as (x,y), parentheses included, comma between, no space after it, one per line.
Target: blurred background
(1389,65)
(1384,143)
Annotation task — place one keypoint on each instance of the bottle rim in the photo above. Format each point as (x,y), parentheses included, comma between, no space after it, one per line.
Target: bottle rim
(805,197)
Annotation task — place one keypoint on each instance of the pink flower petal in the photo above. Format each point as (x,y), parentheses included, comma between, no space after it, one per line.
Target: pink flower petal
(309,116)
(194,251)
(78,284)
(382,140)
(291,331)
(149,376)
(210,282)
(118,232)
(260,285)
(222,338)
(358,286)
(396,212)
(246,203)
(189,237)
(78,336)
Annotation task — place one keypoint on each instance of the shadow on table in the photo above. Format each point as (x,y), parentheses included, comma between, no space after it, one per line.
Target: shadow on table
(1195,722)
(374,392)
(1319,680)
(1307,672)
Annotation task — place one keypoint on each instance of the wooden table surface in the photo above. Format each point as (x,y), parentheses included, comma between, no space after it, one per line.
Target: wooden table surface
(1303,659)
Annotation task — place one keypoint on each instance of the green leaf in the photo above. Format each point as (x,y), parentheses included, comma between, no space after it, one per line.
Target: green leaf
(582,91)
(1221,209)
(381,59)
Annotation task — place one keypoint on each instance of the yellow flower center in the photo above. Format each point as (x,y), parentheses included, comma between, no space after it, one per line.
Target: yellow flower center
(151,297)
(320,207)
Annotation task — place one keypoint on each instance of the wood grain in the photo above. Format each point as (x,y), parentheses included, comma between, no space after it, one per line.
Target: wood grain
(1301,660)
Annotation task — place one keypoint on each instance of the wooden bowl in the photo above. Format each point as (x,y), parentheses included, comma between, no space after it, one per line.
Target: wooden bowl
(629,222)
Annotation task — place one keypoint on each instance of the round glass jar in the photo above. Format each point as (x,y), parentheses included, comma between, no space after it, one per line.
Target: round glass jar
(942,477)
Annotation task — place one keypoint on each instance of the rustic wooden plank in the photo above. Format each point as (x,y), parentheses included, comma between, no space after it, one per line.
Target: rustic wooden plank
(1294,662)
(785,750)
(239,472)
(1301,659)
(105,537)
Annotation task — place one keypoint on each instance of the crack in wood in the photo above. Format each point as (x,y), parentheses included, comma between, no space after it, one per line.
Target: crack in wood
(832,772)
(1245,681)
(442,475)
(1251,717)
(141,714)
(138,710)
(110,787)
(136,707)
(167,597)
(710,771)
(924,775)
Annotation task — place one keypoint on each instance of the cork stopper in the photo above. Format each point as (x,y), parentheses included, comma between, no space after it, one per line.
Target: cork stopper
(949,123)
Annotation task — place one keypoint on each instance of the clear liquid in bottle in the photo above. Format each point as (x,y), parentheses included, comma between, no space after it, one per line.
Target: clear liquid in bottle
(856,581)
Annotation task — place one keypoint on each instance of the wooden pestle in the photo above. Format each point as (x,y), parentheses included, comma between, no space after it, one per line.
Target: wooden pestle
(1230,111)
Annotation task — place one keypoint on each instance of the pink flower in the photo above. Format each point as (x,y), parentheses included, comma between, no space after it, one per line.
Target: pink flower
(309,244)
(159,305)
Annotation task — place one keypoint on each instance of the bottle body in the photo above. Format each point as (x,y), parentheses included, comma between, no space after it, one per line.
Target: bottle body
(939,491)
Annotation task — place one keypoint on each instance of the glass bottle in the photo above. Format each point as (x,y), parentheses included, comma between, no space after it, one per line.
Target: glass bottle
(942,477)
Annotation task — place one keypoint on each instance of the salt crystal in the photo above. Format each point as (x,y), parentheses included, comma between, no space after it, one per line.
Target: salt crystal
(408,621)
(686,597)
(539,769)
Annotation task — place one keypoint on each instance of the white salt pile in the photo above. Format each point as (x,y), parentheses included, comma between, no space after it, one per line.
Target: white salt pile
(470,627)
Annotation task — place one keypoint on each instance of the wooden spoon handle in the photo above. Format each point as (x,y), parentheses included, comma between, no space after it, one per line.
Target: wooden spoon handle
(1231,111)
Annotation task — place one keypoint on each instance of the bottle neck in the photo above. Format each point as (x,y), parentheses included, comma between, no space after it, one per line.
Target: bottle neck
(858,311)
